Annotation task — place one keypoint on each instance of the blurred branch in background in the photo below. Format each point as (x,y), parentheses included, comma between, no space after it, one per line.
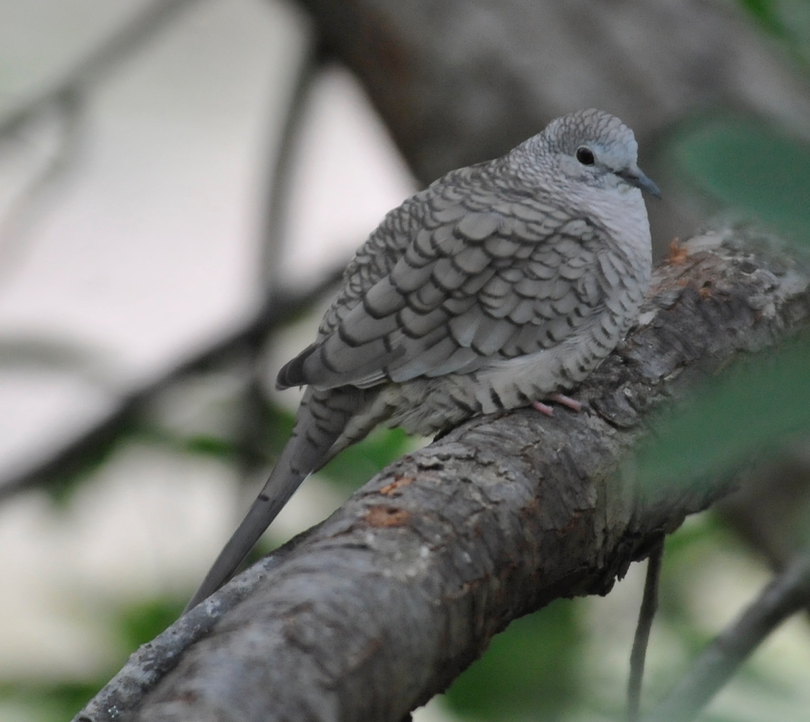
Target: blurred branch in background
(66,114)
(95,444)
(787,594)
(239,349)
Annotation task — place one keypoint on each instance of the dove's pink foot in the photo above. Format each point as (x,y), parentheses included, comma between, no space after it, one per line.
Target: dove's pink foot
(567,401)
(543,408)
(562,399)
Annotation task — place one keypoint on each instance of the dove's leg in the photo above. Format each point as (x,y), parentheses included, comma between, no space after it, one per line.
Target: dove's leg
(544,409)
(561,399)
(321,420)
(567,401)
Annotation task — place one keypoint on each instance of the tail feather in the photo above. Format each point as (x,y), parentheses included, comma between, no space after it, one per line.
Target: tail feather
(322,417)
(275,494)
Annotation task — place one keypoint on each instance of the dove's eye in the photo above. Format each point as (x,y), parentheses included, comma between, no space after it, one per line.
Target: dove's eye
(585,155)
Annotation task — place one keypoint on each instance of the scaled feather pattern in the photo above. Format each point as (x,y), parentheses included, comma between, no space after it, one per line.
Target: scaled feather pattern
(499,285)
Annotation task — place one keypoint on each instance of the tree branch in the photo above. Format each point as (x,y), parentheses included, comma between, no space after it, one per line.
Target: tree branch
(787,594)
(377,609)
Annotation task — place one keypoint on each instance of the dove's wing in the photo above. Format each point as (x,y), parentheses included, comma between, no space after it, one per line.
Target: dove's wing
(471,288)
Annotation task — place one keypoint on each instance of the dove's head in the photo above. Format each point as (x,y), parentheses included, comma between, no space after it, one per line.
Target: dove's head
(593,148)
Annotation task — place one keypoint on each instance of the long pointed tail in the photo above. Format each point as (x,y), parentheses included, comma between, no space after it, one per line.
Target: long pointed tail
(322,418)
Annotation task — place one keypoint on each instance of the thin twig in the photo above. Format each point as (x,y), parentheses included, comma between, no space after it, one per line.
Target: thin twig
(244,342)
(281,155)
(787,594)
(649,605)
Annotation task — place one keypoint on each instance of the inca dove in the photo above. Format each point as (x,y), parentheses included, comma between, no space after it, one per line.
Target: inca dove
(498,285)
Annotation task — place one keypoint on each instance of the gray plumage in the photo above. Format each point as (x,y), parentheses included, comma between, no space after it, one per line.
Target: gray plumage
(498,285)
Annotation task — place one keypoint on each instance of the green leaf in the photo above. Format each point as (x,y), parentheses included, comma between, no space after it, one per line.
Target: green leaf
(749,166)
(140,623)
(749,409)
(767,15)
(209,445)
(278,425)
(48,701)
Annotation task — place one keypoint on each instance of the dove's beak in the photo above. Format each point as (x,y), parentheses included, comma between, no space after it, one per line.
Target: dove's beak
(635,177)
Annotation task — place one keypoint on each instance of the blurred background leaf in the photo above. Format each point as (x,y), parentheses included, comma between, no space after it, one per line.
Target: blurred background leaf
(753,408)
(747,165)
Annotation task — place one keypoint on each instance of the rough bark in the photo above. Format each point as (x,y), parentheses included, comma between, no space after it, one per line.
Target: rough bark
(371,613)
(460,81)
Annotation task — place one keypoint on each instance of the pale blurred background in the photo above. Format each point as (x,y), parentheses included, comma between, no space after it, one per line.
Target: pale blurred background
(148,241)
